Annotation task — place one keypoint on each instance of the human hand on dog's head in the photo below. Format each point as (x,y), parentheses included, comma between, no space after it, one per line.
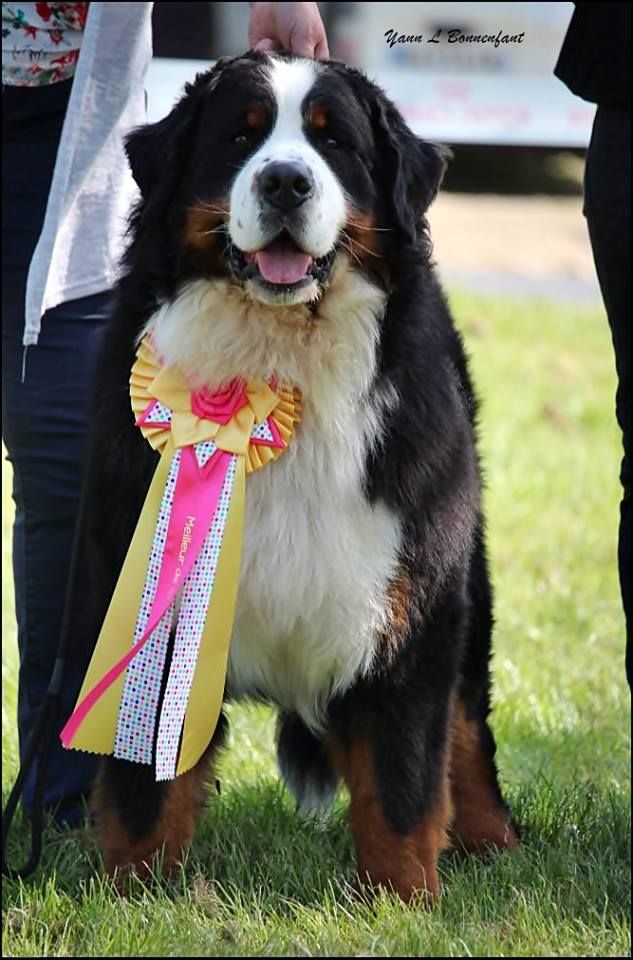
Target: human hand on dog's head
(296,27)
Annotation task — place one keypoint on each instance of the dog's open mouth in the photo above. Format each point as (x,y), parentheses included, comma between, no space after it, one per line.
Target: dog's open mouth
(280,266)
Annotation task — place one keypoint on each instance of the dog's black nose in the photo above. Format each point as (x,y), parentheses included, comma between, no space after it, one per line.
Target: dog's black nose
(285,184)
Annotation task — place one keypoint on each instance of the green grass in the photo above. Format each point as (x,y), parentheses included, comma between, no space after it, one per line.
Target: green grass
(260,882)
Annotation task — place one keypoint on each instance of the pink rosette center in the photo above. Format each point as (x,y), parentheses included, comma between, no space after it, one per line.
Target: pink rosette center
(219,405)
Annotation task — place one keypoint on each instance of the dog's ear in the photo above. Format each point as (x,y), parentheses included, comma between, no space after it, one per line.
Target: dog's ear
(414,169)
(154,150)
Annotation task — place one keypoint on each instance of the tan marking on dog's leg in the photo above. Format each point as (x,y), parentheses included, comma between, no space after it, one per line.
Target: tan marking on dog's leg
(480,819)
(403,863)
(173,832)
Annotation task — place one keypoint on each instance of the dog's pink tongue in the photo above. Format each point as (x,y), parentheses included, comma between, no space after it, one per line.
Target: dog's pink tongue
(283,265)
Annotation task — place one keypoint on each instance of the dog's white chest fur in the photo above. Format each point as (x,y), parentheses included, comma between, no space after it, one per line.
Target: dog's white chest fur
(317,558)
(316,562)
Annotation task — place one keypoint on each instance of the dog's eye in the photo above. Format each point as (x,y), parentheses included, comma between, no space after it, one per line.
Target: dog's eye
(240,138)
(331,143)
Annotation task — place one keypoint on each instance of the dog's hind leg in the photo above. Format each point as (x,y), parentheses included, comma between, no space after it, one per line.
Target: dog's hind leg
(143,824)
(482,819)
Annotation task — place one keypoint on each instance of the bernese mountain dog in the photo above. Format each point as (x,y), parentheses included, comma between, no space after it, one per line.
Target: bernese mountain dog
(281,232)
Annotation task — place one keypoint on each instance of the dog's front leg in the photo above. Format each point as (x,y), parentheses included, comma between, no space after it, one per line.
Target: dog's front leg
(400,858)
(390,742)
(144,825)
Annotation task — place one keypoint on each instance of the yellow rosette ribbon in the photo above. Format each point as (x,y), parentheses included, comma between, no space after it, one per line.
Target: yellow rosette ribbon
(169,624)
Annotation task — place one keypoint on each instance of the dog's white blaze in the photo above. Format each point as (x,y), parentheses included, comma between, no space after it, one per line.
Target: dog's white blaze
(317,557)
(324,213)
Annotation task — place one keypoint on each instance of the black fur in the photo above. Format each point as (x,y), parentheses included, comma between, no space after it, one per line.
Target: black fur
(304,764)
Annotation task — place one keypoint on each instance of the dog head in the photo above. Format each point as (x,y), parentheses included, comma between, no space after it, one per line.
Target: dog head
(269,167)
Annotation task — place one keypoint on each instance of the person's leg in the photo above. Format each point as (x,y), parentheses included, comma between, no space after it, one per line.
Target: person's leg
(44,422)
(44,427)
(608,212)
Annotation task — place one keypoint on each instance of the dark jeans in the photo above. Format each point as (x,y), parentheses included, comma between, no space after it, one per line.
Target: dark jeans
(608,212)
(44,424)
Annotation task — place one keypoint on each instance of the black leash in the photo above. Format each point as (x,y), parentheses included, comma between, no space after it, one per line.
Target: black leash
(46,728)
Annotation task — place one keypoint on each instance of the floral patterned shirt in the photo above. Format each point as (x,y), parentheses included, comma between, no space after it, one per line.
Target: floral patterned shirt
(41,42)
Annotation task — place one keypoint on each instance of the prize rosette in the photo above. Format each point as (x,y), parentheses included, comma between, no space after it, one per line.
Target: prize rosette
(181,571)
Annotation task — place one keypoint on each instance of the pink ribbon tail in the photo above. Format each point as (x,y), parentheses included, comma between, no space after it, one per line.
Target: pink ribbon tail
(82,709)
(195,499)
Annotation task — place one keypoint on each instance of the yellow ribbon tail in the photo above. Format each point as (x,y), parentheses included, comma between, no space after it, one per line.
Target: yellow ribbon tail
(98,730)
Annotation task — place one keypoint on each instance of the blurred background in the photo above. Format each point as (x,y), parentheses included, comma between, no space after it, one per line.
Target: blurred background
(509,219)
